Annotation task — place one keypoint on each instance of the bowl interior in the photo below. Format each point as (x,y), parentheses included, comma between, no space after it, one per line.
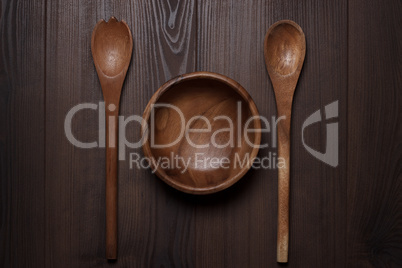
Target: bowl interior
(197,130)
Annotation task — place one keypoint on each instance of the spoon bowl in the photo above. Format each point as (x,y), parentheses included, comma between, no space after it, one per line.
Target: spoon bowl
(284,48)
(113,45)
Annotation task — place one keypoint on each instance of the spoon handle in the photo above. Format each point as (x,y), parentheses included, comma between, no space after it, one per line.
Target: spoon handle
(283,202)
(111,180)
(283,186)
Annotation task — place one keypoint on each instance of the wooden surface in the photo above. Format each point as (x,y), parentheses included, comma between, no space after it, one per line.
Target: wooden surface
(52,194)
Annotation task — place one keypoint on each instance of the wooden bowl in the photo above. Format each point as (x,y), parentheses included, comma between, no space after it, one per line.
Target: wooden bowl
(194,125)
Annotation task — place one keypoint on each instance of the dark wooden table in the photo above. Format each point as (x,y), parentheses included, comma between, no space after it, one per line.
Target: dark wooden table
(52,193)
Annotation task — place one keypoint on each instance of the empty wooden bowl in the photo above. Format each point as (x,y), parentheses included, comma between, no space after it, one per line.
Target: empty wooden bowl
(201,132)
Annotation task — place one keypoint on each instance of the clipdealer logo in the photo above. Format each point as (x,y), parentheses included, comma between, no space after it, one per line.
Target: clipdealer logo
(330,156)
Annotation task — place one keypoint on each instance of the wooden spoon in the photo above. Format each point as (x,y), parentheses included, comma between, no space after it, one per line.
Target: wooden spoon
(112,46)
(284,51)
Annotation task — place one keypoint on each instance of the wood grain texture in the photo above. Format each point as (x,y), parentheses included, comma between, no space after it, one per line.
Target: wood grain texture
(155,220)
(22,80)
(70,80)
(375,135)
(52,194)
(140,195)
(246,215)
(318,206)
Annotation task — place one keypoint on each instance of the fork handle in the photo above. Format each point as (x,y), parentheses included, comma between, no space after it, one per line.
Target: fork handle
(111,180)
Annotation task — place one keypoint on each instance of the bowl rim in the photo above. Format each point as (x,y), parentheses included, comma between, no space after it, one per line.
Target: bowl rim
(188,77)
